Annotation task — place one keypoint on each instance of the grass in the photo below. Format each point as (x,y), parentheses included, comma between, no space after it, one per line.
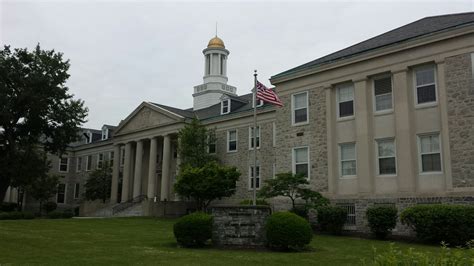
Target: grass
(150,241)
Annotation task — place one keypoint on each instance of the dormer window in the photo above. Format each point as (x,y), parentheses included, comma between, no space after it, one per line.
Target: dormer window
(259,103)
(105,133)
(88,137)
(225,106)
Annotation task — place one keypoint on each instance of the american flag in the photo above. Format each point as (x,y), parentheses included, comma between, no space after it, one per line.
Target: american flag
(267,95)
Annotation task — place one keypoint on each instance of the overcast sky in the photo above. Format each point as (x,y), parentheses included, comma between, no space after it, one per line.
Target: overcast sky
(123,52)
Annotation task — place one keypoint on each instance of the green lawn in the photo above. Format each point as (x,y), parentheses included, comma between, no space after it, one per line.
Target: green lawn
(150,241)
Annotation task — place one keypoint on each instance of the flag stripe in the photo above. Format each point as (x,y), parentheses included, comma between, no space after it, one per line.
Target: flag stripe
(267,95)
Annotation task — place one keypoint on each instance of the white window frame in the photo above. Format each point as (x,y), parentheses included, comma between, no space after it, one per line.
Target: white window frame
(378,157)
(338,87)
(75,190)
(78,164)
(88,163)
(67,165)
(105,133)
(236,140)
(415,91)
(293,110)
(293,160)
(98,166)
(385,111)
(420,162)
(340,160)
(259,176)
(222,106)
(65,193)
(260,103)
(258,136)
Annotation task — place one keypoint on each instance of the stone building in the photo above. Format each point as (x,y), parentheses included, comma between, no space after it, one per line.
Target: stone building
(385,121)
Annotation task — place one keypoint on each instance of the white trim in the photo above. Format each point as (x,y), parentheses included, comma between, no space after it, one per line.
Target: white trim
(222,106)
(67,165)
(377,163)
(340,160)
(236,140)
(420,162)
(293,162)
(374,102)
(293,109)
(338,87)
(427,104)
(106,135)
(258,136)
(259,176)
(78,164)
(75,190)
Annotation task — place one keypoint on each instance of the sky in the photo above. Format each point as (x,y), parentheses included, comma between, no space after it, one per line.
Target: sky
(125,52)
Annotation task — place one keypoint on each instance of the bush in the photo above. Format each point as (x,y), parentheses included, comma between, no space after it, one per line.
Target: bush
(452,224)
(193,230)
(332,218)
(382,220)
(8,206)
(50,206)
(16,215)
(301,211)
(287,231)
(60,214)
(250,202)
(69,213)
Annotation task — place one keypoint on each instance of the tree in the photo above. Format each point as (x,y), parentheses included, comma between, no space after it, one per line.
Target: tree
(36,109)
(43,188)
(193,145)
(291,186)
(99,183)
(207,183)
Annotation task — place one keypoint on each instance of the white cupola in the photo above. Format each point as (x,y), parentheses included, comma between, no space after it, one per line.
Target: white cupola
(215,76)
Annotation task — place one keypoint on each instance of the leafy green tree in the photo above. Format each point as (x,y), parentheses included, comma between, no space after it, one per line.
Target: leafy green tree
(36,109)
(293,186)
(207,183)
(99,183)
(193,144)
(43,188)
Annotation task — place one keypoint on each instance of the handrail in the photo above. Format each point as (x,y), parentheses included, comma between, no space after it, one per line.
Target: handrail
(127,204)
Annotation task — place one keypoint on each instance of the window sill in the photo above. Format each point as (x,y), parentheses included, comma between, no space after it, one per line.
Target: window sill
(431,173)
(348,177)
(345,118)
(386,176)
(384,112)
(426,105)
(251,149)
(300,124)
(232,151)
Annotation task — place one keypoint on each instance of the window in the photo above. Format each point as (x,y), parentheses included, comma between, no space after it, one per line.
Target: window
(348,159)
(122,156)
(105,133)
(232,140)
(300,108)
(89,137)
(430,155)
(351,215)
(78,164)
(211,148)
(301,161)
(100,160)
(345,99)
(76,190)
(61,194)
(251,176)
(222,63)
(425,85)
(386,157)
(111,158)
(88,162)
(252,139)
(383,93)
(63,164)
(208,64)
(225,107)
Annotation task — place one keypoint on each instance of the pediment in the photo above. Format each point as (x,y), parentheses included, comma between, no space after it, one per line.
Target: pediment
(146,116)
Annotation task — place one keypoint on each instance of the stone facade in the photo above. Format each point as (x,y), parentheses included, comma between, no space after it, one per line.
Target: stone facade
(460,95)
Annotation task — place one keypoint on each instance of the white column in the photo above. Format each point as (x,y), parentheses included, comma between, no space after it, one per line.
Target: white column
(165,176)
(152,168)
(115,174)
(137,180)
(126,172)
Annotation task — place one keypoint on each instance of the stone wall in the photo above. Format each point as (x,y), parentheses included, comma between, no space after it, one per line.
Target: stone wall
(242,226)
(460,97)
(313,135)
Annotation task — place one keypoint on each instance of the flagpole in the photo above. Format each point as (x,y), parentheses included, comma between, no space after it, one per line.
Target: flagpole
(255,139)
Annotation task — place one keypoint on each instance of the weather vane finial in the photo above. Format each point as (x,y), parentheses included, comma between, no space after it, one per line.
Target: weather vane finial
(216,28)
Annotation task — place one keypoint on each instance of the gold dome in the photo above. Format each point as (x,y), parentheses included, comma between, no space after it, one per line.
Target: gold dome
(216,42)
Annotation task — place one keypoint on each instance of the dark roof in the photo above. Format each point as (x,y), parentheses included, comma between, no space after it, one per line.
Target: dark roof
(422,27)
(244,104)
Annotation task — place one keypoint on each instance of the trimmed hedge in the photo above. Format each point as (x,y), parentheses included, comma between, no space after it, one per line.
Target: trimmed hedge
(8,206)
(382,219)
(193,230)
(50,206)
(60,214)
(453,224)
(15,215)
(287,231)
(332,219)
